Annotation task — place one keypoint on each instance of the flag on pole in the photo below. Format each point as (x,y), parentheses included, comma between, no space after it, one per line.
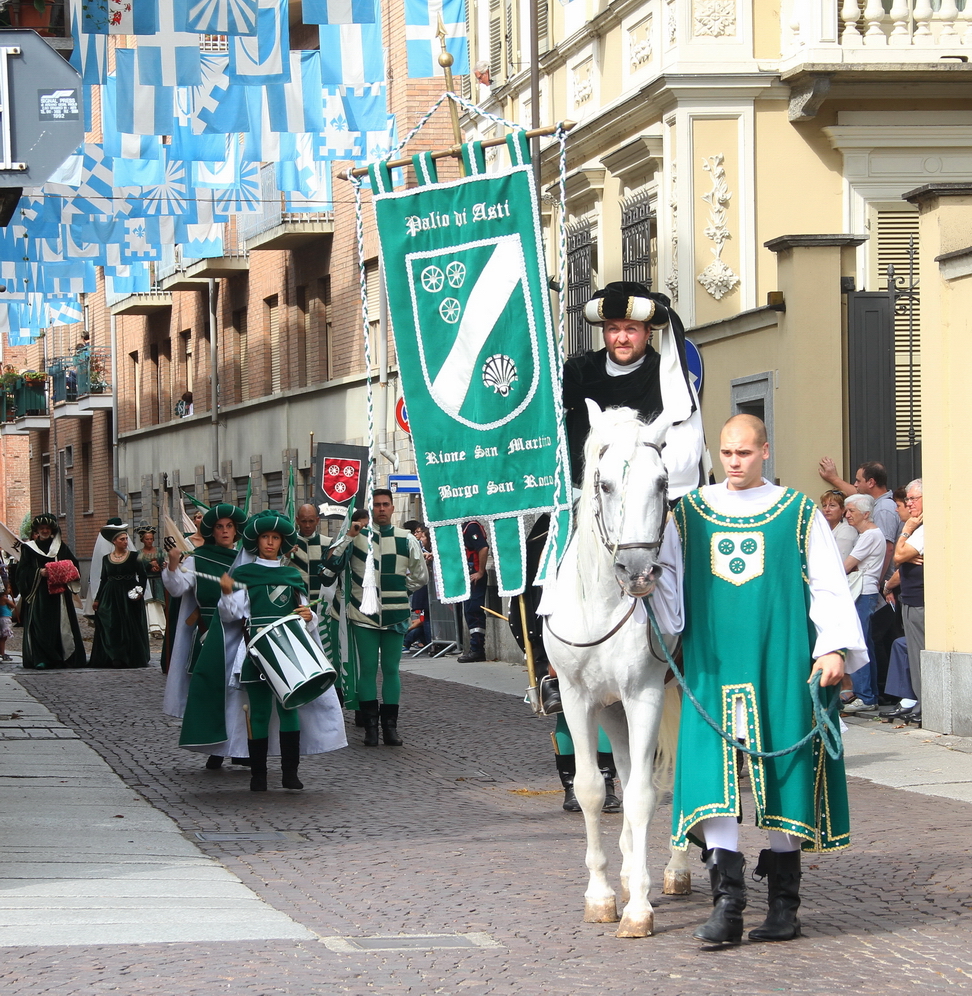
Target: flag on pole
(291,506)
(351,54)
(422,43)
(340,11)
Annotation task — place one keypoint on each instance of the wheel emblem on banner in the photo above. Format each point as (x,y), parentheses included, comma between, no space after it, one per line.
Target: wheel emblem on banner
(432,279)
(450,310)
(456,274)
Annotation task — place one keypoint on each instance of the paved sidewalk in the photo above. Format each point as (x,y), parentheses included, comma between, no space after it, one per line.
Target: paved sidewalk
(88,861)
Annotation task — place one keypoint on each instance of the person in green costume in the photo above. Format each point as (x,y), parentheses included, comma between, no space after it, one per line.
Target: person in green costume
(399,569)
(271,591)
(52,636)
(120,627)
(197,688)
(752,575)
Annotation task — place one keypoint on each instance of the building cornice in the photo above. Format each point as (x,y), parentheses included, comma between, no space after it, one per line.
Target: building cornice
(784,242)
(931,191)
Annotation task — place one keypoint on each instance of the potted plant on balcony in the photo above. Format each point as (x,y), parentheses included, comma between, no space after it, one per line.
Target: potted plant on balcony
(35,14)
(34,378)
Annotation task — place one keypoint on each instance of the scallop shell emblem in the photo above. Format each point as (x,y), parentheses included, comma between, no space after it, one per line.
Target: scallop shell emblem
(499,372)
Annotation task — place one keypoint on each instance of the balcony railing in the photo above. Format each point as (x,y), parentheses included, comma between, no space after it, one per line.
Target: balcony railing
(876,31)
(271,213)
(86,372)
(49,22)
(23,398)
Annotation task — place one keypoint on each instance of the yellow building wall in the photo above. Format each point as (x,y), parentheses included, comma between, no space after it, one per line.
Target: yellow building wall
(766,29)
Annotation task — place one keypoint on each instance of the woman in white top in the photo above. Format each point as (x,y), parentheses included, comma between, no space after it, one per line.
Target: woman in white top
(832,509)
(867,557)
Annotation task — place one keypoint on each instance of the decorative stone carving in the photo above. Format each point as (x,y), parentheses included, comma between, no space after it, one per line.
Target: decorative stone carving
(671,22)
(717,278)
(583,82)
(671,281)
(639,43)
(714,17)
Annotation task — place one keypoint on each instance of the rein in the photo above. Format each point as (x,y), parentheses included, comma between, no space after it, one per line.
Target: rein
(603,639)
(825,728)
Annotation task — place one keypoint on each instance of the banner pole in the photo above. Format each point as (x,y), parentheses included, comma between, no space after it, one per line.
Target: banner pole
(455,152)
(445,61)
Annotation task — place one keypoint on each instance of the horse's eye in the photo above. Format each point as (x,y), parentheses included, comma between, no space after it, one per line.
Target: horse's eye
(606,488)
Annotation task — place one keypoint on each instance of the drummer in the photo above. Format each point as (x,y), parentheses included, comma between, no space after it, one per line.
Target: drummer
(273,591)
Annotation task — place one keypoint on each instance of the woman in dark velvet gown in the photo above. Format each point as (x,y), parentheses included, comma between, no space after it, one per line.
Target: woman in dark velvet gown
(120,631)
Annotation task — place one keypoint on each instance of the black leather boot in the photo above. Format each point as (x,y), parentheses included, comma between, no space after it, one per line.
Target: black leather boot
(725,925)
(612,804)
(566,768)
(369,712)
(290,759)
(214,762)
(258,764)
(782,869)
(389,725)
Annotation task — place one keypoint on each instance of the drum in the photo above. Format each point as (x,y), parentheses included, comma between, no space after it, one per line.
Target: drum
(292,663)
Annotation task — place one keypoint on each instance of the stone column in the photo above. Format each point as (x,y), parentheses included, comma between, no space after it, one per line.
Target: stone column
(945,267)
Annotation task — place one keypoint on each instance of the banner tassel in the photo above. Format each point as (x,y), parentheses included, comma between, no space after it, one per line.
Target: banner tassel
(369,589)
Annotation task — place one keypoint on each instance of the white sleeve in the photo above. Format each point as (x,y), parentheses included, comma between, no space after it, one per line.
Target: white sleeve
(418,571)
(682,455)
(666,599)
(179,581)
(234,606)
(832,610)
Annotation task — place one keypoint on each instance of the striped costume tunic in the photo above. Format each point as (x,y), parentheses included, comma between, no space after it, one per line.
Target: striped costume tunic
(399,570)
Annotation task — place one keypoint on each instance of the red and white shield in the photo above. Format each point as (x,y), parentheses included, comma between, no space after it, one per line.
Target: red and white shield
(340,479)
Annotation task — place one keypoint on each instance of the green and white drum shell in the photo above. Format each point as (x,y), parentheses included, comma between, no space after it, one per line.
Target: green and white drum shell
(294,666)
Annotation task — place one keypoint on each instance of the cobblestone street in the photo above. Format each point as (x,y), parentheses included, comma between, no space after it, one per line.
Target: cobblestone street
(461,832)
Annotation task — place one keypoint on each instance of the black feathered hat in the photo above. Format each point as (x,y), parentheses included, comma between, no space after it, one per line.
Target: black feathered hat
(623,299)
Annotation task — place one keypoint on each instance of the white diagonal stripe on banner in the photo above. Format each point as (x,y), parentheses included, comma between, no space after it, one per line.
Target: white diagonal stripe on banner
(493,288)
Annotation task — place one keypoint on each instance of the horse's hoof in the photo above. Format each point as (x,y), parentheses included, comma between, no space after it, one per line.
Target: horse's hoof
(602,911)
(677,883)
(636,926)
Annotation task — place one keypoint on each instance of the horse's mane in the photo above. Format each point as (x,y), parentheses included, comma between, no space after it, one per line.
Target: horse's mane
(616,425)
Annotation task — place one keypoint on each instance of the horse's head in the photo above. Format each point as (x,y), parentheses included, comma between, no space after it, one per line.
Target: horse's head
(626,488)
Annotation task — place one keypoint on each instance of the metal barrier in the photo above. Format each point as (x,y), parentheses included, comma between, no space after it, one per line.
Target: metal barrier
(443,626)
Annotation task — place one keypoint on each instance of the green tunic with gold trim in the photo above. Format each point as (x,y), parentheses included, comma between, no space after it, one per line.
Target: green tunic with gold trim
(748,639)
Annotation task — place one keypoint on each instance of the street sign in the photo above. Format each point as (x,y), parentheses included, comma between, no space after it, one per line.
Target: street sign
(404,484)
(401,416)
(693,360)
(41,114)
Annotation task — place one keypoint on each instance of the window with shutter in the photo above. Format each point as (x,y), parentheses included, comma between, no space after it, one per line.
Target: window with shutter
(495,41)
(273,331)
(639,244)
(243,353)
(897,247)
(543,26)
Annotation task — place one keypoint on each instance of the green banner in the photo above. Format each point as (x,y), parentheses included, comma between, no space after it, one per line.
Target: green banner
(469,305)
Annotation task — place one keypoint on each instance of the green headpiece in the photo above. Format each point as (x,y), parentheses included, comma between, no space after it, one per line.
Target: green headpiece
(224,510)
(266,522)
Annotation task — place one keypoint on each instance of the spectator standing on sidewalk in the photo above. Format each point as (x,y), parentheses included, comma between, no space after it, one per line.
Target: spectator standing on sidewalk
(909,555)
(866,560)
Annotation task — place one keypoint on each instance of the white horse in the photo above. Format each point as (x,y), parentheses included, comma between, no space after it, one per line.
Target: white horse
(608,673)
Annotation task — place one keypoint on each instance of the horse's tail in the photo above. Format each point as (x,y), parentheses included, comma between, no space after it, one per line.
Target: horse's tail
(664,768)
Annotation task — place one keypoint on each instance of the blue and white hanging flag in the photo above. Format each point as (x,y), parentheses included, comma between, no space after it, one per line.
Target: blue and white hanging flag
(90,53)
(138,172)
(170,57)
(261,144)
(218,17)
(140,109)
(338,140)
(366,107)
(263,58)
(224,173)
(118,144)
(352,54)
(203,242)
(296,106)
(246,197)
(171,197)
(340,11)
(69,172)
(65,312)
(422,43)
(218,107)
(139,239)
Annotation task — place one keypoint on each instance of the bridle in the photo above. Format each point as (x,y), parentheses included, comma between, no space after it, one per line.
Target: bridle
(613,548)
(606,542)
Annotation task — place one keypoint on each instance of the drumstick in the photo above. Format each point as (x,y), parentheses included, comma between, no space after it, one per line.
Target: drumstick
(246,713)
(213,577)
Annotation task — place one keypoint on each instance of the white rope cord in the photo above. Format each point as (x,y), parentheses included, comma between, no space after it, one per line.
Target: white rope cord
(369,589)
